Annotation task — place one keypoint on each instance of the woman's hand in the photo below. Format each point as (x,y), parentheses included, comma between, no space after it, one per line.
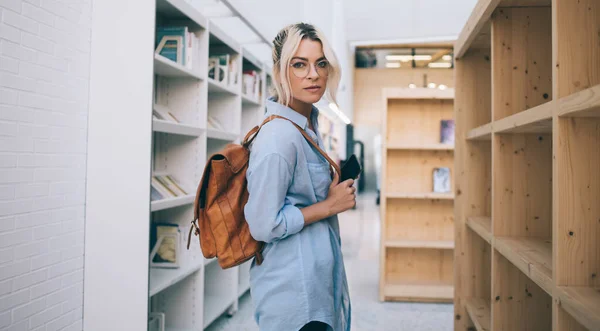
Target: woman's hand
(339,199)
(341,196)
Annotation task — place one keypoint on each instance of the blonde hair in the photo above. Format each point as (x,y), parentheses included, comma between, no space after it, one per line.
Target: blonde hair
(285,46)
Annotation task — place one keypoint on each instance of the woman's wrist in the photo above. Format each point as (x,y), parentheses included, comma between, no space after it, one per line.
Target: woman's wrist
(318,211)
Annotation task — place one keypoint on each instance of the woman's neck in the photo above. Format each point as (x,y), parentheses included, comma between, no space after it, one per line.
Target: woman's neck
(303,108)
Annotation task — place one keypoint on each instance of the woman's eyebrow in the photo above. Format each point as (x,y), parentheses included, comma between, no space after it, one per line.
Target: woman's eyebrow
(305,59)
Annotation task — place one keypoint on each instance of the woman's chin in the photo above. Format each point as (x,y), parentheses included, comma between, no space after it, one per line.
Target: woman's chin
(311,98)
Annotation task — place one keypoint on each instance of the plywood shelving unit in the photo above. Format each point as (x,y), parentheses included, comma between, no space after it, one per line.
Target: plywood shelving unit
(527,165)
(196,293)
(417,239)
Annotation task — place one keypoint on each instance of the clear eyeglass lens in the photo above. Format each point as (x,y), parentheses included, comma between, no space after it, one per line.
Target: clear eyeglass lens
(301,69)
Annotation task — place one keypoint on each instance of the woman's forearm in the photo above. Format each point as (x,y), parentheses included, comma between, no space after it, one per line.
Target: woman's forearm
(318,211)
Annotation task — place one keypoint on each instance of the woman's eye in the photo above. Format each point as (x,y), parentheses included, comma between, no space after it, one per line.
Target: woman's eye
(298,65)
(323,64)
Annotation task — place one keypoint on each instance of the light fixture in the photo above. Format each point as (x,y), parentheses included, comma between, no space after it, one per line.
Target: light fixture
(447,57)
(439,65)
(392,65)
(411,85)
(339,113)
(442,87)
(422,57)
(402,58)
(431,85)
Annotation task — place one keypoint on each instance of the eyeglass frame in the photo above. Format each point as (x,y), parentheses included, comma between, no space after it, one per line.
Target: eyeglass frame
(303,60)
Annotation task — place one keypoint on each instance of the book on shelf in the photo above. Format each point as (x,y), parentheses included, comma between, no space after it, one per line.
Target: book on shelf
(251,84)
(447,132)
(164,187)
(165,239)
(161,112)
(441,180)
(177,44)
(224,69)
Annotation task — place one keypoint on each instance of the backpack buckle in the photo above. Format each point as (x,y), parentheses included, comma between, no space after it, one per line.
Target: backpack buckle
(196,230)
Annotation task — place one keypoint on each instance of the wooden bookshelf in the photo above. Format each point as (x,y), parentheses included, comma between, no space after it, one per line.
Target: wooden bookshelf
(417,225)
(527,159)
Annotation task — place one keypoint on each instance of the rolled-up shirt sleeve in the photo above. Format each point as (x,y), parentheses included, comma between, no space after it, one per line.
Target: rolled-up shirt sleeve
(267,214)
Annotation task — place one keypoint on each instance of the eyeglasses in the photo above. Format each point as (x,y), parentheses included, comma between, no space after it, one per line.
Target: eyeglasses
(301,69)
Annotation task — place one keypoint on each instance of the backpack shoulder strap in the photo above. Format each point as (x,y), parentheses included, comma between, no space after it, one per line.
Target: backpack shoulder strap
(254,132)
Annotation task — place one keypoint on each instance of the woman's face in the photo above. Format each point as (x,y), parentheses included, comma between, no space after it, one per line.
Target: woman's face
(308,72)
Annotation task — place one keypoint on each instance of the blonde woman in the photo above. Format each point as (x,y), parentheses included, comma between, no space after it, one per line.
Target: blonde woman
(294,202)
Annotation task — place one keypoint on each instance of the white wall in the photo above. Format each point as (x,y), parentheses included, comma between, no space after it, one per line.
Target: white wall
(44,80)
(405,19)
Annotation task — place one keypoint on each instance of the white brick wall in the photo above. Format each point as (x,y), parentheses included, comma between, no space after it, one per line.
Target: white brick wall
(44,80)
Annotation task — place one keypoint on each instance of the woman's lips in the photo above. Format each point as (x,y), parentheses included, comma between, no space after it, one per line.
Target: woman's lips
(313,88)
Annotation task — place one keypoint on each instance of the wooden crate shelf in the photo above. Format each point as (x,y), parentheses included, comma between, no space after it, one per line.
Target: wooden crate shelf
(438,244)
(483,132)
(533,120)
(419,292)
(482,226)
(479,312)
(532,256)
(527,112)
(417,231)
(583,303)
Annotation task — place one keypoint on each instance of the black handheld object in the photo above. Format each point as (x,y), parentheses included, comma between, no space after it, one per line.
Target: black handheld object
(351,169)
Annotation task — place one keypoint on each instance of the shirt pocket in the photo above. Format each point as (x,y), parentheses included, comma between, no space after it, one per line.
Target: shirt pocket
(321,179)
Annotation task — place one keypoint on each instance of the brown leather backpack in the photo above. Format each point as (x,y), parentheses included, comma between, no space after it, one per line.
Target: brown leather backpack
(220,199)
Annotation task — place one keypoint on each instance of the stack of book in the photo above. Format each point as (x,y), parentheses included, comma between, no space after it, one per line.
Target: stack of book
(223,69)
(177,44)
(164,187)
(251,84)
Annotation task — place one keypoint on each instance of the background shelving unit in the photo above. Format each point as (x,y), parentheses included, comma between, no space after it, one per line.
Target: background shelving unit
(417,225)
(527,161)
(196,293)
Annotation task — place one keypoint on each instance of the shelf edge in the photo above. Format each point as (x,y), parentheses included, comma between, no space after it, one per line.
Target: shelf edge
(527,121)
(479,16)
(584,103)
(482,226)
(571,299)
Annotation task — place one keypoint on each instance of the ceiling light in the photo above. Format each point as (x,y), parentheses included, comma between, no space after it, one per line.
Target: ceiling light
(403,58)
(431,85)
(447,57)
(339,113)
(411,85)
(442,87)
(440,65)
(422,57)
(392,65)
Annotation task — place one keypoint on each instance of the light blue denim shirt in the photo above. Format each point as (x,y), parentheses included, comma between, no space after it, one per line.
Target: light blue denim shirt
(302,277)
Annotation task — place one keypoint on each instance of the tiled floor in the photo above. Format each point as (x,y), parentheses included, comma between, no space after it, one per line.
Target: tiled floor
(360,243)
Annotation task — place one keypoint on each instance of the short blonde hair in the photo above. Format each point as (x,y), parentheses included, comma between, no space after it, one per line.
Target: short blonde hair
(285,46)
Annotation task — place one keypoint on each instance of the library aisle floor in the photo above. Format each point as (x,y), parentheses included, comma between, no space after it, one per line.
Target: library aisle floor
(360,243)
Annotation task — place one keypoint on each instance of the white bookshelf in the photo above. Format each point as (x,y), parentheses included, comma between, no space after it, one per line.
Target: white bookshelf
(198,292)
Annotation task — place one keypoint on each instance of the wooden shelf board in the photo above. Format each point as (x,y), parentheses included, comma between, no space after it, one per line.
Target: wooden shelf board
(439,244)
(221,135)
(583,303)
(437,196)
(480,312)
(585,103)
(483,132)
(535,120)
(180,9)
(248,101)
(417,93)
(161,279)
(219,88)
(172,202)
(482,226)
(419,292)
(427,147)
(167,68)
(533,256)
(175,128)
(475,24)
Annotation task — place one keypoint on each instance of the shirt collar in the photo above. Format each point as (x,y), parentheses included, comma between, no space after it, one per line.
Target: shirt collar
(275,108)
